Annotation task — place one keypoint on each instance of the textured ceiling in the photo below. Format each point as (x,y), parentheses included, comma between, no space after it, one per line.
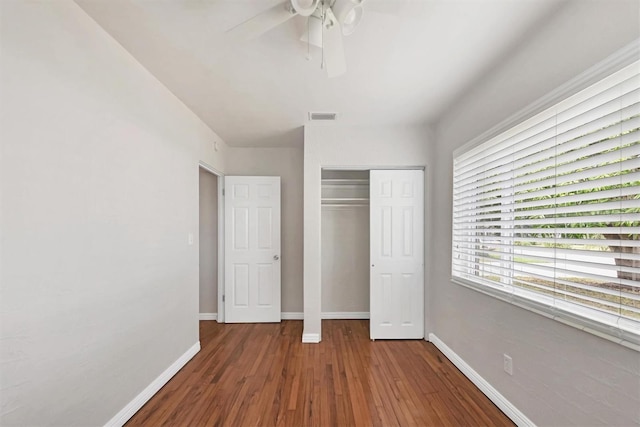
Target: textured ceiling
(408,61)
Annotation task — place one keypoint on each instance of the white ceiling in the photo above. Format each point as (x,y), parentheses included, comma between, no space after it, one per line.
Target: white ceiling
(405,66)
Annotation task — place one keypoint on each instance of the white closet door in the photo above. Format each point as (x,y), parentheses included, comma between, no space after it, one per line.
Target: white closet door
(252,249)
(397,254)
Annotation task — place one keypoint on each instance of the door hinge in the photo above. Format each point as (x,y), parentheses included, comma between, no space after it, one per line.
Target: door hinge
(223,191)
(222,298)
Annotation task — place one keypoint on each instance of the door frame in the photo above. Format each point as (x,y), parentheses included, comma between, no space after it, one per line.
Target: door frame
(426,254)
(220,175)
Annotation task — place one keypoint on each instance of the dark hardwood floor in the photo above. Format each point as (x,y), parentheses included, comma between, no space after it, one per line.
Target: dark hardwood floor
(262,375)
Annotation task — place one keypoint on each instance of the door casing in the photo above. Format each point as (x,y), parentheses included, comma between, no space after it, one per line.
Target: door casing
(220,175)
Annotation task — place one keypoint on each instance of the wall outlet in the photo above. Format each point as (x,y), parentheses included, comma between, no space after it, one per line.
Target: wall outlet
(508,364)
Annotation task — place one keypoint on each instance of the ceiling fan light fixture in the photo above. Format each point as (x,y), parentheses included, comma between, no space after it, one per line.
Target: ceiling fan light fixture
(349,14)
(304,7)
(313,32)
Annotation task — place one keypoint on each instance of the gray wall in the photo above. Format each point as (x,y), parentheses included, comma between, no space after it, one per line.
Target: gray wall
(345,259)
(99,192)
(353,147)
(208,187)
(285,162)
(562,376)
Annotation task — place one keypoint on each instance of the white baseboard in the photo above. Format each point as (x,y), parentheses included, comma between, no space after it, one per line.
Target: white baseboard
(292,315)
(345,315)
(285,315)
(134,406)
(310,338)
(494,395)
(298,315)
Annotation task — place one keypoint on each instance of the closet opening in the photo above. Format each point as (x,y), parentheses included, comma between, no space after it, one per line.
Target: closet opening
(372,249)
(345,244)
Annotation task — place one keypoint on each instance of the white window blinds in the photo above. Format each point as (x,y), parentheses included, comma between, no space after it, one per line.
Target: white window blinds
(550,210)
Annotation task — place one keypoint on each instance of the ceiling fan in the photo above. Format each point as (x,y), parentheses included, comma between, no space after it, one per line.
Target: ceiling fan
(329,21)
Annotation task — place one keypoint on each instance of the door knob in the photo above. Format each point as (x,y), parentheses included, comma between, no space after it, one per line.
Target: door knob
(276,257)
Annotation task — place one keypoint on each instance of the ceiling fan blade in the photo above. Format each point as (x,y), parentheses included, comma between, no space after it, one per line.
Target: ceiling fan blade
(263,22)
(333,47)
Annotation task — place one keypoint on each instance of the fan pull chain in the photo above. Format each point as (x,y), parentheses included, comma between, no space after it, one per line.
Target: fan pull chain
(308,39)
(322,17)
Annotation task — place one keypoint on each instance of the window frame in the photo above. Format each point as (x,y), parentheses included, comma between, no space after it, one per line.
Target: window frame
(589,320)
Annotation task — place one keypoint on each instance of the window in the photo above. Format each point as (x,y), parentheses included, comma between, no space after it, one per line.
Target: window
(547,214)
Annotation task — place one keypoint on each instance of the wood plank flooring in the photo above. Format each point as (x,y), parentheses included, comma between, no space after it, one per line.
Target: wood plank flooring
(262,375)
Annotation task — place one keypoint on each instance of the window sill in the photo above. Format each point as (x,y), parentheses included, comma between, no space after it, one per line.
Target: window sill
(627,337)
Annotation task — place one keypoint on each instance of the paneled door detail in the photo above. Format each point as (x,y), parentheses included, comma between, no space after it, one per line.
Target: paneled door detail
(252,249)
(397,254)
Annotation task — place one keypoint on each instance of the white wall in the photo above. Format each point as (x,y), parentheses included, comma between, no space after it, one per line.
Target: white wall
(562,376)
(208,239)
(99,190)
(333,145)
(285,162)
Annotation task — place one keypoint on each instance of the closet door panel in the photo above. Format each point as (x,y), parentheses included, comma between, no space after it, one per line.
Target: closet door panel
(397,254)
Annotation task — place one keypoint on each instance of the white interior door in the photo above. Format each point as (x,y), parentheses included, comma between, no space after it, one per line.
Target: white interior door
(397,254)
(252,249)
